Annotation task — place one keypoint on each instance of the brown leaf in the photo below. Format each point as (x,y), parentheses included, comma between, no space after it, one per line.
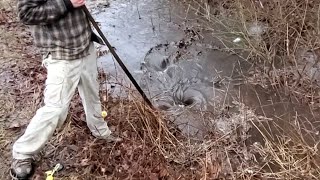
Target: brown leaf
(125,167)
(84,162)
(40,77)
(117,153)
(73,147)
(103,170)
(16,124)
(38,177)
(163,172)
(153,176)
(2,18)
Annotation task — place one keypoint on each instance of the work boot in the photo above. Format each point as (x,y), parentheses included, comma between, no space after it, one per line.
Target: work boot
(21,168)
(110,138)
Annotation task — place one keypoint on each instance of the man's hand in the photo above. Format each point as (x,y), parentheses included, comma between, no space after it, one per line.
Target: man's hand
(77,3)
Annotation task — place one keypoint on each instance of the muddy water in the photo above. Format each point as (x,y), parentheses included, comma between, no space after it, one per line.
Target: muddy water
(287,115)
(180,66)
(134,27)
(175,62)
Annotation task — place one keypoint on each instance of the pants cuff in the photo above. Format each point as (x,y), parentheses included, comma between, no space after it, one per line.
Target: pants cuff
(104,134)
(16,155)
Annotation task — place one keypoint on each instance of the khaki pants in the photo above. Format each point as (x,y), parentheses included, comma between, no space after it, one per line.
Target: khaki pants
(62,80)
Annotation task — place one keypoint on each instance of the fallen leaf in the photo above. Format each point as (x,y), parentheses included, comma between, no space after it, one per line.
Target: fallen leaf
(125,167)
(103,170)
(16,124)
(84,162)
(73,147)
(163,172)
(153,176)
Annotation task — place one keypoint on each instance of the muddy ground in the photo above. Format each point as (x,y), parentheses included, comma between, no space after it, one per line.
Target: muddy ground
(269,134)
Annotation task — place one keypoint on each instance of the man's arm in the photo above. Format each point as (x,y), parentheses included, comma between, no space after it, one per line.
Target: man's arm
(33,12)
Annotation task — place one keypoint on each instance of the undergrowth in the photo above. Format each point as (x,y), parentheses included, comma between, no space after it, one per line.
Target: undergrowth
(273,33)
(281,39)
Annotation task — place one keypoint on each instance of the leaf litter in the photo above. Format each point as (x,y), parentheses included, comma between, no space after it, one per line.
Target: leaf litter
(153,147)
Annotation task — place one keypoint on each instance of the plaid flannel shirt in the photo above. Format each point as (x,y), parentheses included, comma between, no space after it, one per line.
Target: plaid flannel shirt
(57,27)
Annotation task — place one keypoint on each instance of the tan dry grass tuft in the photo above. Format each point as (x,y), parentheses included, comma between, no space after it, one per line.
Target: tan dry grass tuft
(288,157)
(272,30)
(276,35)
(153,147)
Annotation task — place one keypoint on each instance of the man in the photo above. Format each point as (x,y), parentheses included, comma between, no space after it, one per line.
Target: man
(63,34)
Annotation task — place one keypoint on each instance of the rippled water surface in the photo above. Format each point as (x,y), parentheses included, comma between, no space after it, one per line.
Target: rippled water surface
(178,64)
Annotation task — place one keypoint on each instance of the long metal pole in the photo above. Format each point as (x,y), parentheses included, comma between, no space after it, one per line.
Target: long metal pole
(95,25)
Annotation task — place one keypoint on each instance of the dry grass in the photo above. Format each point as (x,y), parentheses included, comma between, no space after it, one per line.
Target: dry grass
(278,36)
(4,146)
(295,160)
(154,148)
(3,140)
(274,34)
(20,76)
(288,156)
(282,27)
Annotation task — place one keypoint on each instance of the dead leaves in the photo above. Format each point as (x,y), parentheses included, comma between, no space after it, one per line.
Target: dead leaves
(21,75)
(4,17)
(134,158)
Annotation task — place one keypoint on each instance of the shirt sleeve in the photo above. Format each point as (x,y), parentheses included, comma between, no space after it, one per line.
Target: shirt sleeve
(34,12)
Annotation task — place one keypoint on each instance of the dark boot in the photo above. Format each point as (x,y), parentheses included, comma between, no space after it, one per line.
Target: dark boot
(21,168)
